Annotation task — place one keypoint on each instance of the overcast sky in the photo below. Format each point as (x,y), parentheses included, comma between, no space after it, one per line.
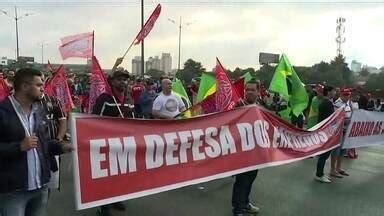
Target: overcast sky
(233,31)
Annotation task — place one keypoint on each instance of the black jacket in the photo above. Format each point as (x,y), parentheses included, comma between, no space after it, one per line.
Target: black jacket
(326,109)
(110,109)
(13,161)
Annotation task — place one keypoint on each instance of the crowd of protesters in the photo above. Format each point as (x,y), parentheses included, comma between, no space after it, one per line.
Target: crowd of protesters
(28,149)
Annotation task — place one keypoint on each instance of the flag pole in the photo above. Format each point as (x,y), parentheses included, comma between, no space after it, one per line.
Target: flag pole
(130,46)
(93,43)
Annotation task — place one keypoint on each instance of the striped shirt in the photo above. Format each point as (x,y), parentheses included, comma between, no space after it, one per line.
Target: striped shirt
(54,113)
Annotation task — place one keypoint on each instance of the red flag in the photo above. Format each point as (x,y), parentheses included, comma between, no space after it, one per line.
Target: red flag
(4,89)
(209,104)
(99,83)
(148,25)
(80,45)
(57,86)
(239,86)
(226,94)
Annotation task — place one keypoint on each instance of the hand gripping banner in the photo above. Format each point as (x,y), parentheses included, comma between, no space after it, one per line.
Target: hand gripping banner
(119,159)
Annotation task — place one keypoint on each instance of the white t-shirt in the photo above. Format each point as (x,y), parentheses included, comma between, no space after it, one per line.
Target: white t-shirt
(169,105)
(347,109)
(354,105)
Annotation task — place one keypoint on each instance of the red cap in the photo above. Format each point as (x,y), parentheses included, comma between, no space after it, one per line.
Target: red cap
(319,88)
(346,91)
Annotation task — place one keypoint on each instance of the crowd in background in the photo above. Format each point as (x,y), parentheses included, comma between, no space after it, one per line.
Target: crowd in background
(149,98)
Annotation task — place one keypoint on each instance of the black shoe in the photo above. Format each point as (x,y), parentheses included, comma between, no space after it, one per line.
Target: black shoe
(118,206)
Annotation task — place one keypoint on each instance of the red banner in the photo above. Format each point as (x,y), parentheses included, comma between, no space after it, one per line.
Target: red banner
(148,25)
(119,159)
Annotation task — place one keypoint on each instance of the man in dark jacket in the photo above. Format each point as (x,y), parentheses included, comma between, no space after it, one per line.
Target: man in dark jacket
(25,148)
(113,105)
(326,109)
(243,183)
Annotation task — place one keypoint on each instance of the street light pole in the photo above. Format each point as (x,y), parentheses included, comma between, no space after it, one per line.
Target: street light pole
(16,18)
(180,27)
(44,45)
(142,41)
(178,64)
(17,35)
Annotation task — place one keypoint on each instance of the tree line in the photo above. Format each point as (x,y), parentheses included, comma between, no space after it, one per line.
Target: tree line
(335,73)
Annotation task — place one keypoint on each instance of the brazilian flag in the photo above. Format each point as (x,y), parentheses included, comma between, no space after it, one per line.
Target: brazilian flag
(207,85)
(286,82)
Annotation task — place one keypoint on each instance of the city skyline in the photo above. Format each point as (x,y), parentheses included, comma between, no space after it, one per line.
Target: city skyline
(233,32)
(153,62)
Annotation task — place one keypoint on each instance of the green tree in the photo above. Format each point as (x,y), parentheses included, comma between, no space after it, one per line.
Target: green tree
(341,67)
(375,81)
(323,72)
(265,73)
(364,72)
(236,74)
(155,74)
(191,70)
(374,84)
(304,73)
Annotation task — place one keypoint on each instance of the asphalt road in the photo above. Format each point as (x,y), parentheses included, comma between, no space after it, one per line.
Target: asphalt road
(281,191)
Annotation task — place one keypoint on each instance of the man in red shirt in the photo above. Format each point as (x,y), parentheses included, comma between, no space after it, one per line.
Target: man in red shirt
(136,91)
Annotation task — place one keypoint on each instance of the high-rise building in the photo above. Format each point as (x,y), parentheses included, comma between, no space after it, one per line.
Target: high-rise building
(153,63)
(148,64)
(136,65)
(355,66)
(4,61)
(166,62)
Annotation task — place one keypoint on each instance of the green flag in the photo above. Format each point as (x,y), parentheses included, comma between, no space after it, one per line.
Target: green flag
(247,77)
(286,82)
(178,89)
(207,85)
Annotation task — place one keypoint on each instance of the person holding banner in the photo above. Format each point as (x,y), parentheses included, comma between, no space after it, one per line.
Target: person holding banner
(167,105)
(110,105)
(338,153)
(326,109)
(243,182)
(25,148)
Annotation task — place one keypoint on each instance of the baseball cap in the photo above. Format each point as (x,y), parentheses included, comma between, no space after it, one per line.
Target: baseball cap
(345,91)
(120,73)
(319,88)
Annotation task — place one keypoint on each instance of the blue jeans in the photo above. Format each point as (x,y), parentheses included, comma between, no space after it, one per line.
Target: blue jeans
(24,203)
